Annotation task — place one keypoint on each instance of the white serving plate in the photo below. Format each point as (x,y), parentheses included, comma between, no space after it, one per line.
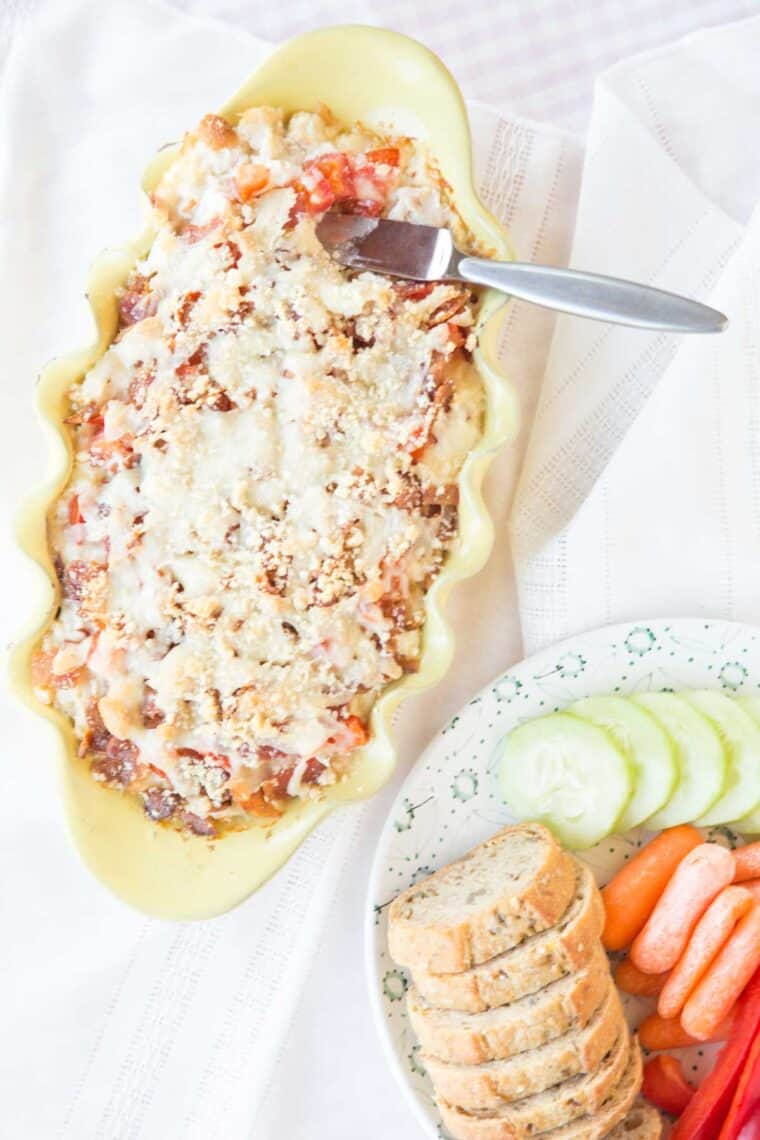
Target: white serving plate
(450,800)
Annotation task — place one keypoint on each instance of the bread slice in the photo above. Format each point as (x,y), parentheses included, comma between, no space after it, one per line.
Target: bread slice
(531,1021)
(581,1051)
(585,1108)
(527,968)
(643,1122)
(508,888)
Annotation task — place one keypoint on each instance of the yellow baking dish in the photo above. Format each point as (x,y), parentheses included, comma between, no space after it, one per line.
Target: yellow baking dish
(383,79)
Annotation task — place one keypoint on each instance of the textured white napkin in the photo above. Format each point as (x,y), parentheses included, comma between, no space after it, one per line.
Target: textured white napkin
(640,494)
(255,1024)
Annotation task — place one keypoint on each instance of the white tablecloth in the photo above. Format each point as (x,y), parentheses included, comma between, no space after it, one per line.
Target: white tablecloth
(121,1028)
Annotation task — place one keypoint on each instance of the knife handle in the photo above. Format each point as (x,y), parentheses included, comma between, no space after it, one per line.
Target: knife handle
(592,295)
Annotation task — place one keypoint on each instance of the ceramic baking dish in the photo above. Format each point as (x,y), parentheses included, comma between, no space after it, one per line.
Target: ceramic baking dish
(384,80)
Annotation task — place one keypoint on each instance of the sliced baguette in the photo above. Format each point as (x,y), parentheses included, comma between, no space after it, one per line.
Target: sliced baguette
(527,968)
(643,1122)
(581,1051)
(582,1109)
(531,1021)
(514,885)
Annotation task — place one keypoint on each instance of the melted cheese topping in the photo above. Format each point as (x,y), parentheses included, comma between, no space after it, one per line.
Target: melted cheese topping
(264,477)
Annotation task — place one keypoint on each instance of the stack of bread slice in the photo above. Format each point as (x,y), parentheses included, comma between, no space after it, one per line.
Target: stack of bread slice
(520,1024)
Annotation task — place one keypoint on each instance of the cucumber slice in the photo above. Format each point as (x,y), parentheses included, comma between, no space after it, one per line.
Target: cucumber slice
(700,757)
(646,746)
(567,773)
(749,824)
(741,739)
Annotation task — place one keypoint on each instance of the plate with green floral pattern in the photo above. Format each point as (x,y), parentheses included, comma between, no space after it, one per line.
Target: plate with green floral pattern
(450,800)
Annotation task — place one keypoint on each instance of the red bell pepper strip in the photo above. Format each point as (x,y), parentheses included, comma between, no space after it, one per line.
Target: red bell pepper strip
(704,1116)
(745,1107)
(665,1085)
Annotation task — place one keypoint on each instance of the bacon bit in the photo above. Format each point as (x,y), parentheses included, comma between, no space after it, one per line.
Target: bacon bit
(447,309)
(367,207)
(150,714)
(136,302)
(184,308)
(160,803)
(119,765)
(276,788)
(90,414)
(313,770)
(233,249)
(193,363)
(268,754)
(197,825)
(77,575)
(96,737)
(158,771)
(415,290)
(216,132)
(221,403)
(384,156)
(192,753)
(75,514)
(250,179)
(137,393)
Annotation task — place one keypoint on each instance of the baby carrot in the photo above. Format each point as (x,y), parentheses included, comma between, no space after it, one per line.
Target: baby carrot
(725,979)
(631,895)
(699,877)
(631,980)
(753,886)
(710,934)
(657,1033)
(747,862)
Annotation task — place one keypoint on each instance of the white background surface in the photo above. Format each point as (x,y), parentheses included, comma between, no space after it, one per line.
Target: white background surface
(331,1083)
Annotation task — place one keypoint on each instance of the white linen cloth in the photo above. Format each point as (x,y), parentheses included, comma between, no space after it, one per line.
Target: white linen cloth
(118,1027)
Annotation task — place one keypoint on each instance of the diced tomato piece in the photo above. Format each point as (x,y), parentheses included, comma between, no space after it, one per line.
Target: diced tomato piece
(105,452)
(250,179)
(384,156)
(357,731)
(457,335)
(75,514)
(257,804)
(321,197)
(336,170)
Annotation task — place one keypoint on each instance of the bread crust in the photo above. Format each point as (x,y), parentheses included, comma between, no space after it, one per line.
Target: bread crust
(529,1022)
(505,919)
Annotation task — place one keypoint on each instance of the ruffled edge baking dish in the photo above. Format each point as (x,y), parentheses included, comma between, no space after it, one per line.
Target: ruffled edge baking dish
(380,78)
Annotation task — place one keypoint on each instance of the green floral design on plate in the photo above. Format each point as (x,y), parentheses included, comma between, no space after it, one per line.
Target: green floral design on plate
(640,640)
(464,785)
(732,675)
(395,985)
